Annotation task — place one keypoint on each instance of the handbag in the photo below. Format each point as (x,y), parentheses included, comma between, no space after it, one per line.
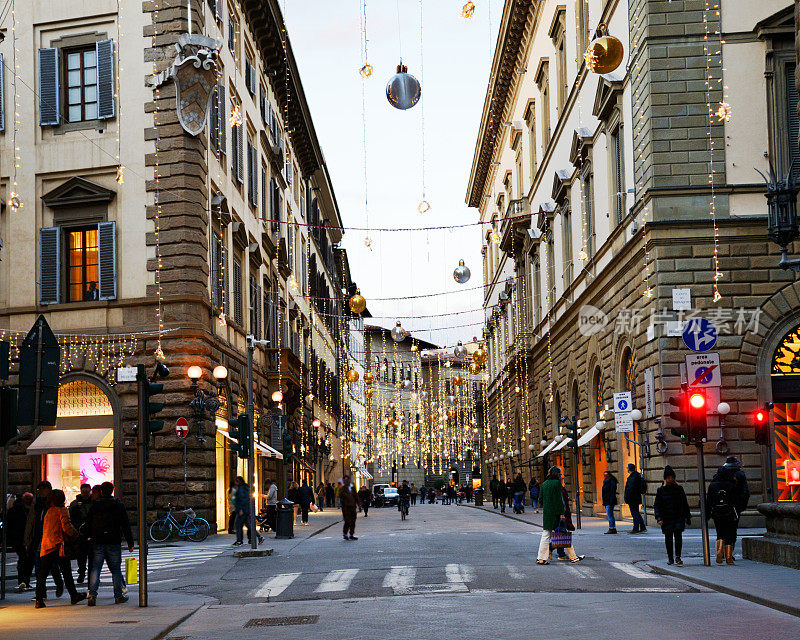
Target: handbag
(561,537)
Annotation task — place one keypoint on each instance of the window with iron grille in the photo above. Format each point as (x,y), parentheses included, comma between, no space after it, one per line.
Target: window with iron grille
(237,292)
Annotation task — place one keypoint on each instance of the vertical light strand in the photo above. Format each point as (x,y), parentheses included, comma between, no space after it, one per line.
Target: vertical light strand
(120,170)
(424,205)
(159,352)
(14,201)
(366,71)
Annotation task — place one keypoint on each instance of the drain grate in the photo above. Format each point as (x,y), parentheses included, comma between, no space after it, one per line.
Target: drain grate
(190,587)
(281,622)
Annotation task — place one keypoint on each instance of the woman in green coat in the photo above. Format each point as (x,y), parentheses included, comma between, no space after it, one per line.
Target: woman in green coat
(552,500)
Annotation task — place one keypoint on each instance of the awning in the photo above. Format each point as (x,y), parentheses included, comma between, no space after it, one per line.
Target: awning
(364,473)
(267,451)
(304,464)
(72,441)
(546,450)
(563,444)
(590,434)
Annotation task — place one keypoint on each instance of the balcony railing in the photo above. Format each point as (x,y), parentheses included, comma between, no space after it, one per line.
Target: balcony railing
(518,217)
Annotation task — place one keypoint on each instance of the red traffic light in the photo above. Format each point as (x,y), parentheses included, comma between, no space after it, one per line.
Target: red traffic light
(760,416)
(697,400)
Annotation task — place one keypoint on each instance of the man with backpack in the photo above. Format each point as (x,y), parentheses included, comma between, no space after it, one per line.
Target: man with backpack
(722,505)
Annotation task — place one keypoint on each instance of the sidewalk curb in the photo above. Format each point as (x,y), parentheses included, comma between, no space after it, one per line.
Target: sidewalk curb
(165,632)
(318,531)
(742,595)
(505,515)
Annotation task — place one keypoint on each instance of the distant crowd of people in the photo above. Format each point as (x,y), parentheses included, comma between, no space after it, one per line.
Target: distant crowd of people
(47,536)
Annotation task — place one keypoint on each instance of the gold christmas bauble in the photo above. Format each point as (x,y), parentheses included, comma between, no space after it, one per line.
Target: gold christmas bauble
(369,377)
(352,375)
(605,53)
(368,392)
(474,368)
(451,414)
(358,303)
(458,380)
(480,356)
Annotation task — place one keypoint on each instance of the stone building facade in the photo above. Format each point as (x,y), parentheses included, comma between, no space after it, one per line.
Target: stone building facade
(599,192)
(139,238)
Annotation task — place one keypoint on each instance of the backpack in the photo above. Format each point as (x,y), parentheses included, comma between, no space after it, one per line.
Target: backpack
(722,509)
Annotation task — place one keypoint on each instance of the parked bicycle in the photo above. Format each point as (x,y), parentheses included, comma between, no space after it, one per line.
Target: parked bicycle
(193,528)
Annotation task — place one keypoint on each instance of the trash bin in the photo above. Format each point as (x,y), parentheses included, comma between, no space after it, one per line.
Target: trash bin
(479,498)
(285,524)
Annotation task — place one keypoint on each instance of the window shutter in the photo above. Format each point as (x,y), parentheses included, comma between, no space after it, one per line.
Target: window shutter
(222,122)
(213,121)
(105,79)
(237,292)
(264,212)
(262,107)
(219,10)
(792,123)
(107,244)
(250,171)
(214,270)
(49,265)
(234,152)
(240,153)
(49,98)
(2,93)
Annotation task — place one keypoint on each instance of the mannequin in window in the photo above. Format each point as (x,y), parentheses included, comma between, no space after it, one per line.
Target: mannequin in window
(91,292)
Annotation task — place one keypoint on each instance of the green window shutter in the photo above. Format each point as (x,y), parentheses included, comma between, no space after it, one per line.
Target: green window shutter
(2,93)
(106,107)
(49,88)
(50,265)
(107,245)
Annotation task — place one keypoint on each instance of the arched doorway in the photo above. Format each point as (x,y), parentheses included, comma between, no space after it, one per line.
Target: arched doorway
(629,450)
(599,457)
(785,436)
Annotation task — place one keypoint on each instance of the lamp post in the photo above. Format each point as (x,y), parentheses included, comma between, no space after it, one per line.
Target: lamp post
(782,223)
(203,400)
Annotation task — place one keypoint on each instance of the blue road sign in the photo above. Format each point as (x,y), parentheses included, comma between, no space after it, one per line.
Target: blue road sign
(699,335)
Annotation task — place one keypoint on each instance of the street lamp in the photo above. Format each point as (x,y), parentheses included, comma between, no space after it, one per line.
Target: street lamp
(203,400)
(782,224)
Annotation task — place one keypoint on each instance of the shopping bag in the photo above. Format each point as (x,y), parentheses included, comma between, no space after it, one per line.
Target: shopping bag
(314,508)
(131,571)
(561,537)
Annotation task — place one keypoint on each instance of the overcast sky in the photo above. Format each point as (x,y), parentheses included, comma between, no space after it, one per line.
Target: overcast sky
(325,35)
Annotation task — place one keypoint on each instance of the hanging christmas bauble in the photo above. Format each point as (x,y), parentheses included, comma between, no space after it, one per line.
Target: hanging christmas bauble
(468,9)
(403,90)
(461,273)
(480,356)
(369,377)
(368,392)
(474,368)
(398,333)
(352,375)
(451,400)
(407,384)
(423,395)
(458,380)
(367,242)
(366,70)
(460,351)
(358,303)
(434,405)
(424,207)
(494,236)
(605,53)
(451,414)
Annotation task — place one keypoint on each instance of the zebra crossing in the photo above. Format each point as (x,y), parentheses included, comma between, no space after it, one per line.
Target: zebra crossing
(174,557)
(460,578)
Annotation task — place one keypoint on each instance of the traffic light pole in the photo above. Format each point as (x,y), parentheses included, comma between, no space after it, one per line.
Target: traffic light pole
(251,454)
(143,433)
(701,480)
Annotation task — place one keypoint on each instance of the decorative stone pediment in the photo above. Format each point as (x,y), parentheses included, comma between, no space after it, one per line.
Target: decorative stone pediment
(547,211)
(78,191)
(582,141)
(780,23)
(561,182)
(608,96)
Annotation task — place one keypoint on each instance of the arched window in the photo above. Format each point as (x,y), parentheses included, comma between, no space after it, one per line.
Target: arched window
(629,374)
(597,393)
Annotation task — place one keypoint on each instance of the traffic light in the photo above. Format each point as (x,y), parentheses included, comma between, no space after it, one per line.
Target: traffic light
(681,416)
(572,427)
(153,389)
(692,407)
(761,423)
(241,432)
(8,415)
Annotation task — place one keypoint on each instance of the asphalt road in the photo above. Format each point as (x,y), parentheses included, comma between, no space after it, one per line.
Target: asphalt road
(451,571)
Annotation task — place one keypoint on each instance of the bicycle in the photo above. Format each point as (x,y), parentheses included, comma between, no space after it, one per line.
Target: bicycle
(403,509)
(193,528)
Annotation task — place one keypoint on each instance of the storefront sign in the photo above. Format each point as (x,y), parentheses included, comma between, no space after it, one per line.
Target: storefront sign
(126,374)
(623,423)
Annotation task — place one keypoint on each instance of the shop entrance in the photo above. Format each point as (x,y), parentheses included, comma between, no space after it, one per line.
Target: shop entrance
(785,437)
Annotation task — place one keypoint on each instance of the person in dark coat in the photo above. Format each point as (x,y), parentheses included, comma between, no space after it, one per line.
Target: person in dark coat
(554,509)
(241,502)
(671,510)
(502,494)
(305,497)
(330,494)
(510,492)
(519,488)
(533,488)
(349,501)
(722,501)
(742,491)
(78,510)
(609,495)
(33,532)
(493,489)
(17,518)
(423,492)
(634,489)
(365,498)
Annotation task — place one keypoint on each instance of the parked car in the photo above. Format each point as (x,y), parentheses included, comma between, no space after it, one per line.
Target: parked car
(384,495)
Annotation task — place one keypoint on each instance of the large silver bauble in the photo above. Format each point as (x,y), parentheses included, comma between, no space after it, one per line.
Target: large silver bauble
(407,384)
(403,90)
(398,333)
(451,401)
(434,406)
(461,273)
(460,351)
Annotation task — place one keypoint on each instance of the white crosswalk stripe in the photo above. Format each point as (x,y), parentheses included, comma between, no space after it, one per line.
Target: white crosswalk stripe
(459,573)
(337,580)
(400,578)
(633,571)
(513,572)
(582,572)
(275,585)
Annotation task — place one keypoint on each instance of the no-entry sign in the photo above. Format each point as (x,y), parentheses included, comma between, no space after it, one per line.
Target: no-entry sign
(182,427)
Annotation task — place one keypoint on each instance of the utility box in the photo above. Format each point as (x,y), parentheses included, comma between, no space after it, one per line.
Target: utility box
(285,517)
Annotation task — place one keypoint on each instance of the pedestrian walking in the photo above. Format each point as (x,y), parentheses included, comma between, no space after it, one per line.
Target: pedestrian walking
(519,494)
(78,510)
(232,510)
(502,494)
(330,495)
(337,490)
(671,510)
(423,492)
(272,503)
(306,497)
(494,490)
(554,509)
(721,506)
(741,489)
(349,500)
(414,493)
(106,524)
(533,488)
(293,496)
(635,488)
(33,533)
(16,520)
(321,496)
(57,535)
(510,492)
(365,499)
(241,501)
(609,495)
(562,555)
